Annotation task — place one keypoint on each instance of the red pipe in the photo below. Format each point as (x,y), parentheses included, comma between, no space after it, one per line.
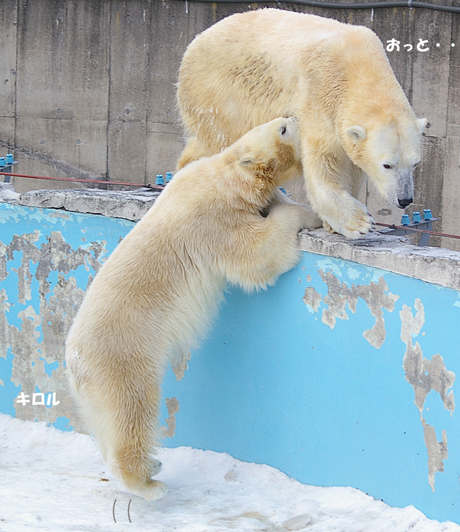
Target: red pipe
(160,187)
(409,228)
(83,180)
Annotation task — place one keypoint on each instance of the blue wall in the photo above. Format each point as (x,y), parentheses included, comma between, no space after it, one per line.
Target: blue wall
(293,377)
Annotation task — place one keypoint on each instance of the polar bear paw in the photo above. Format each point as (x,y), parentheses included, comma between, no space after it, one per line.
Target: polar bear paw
(356,226)
(359,225)
(150,490)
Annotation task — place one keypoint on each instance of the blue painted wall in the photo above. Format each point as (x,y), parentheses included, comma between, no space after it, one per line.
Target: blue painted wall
(312,376)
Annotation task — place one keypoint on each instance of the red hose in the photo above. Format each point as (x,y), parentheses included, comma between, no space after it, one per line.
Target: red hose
(160,187)
(83,180)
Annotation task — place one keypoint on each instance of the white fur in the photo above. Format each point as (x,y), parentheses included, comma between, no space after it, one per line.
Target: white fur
(157,293)
(336,78)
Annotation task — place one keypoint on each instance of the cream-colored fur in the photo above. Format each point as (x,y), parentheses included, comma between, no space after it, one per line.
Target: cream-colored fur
(158,291)
(353,115)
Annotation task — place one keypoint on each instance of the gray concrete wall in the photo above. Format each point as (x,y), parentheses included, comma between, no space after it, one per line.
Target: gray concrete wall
(88,89)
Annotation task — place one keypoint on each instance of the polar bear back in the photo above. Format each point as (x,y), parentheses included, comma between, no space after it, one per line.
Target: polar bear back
(282,60)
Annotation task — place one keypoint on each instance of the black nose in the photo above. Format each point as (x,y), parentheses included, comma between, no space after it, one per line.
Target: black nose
(403,203)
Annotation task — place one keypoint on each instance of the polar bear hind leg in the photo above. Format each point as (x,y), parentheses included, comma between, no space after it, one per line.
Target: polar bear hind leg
(126,430)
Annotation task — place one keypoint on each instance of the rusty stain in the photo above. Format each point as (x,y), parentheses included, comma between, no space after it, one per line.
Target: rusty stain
(425,375)
(339,296)
(173,408)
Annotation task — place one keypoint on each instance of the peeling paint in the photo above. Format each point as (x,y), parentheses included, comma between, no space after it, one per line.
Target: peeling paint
(412,325)
(180,366)
(4,327)
(48,265)
(425,375)
(377,299)
(437,452)
(376,295)
(338,296)
(312,299)
(173,408)
(3,272)
(353,273)
(35,329)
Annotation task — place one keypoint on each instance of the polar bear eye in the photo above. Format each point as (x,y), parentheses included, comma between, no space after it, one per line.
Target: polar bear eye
(283,130)
(387,166)
(415,165)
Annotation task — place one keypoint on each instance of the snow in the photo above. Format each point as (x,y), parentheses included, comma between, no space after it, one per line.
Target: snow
(56,481)
(7,192)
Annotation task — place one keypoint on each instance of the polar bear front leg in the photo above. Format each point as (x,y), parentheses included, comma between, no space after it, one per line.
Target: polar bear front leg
(352,219)
(328,195)
(312,220)
(268,246)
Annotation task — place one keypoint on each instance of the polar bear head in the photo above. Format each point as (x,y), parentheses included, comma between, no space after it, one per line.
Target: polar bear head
(388,153)
(270,152)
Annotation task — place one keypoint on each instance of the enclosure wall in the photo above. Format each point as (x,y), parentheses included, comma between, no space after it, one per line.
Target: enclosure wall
(343,374)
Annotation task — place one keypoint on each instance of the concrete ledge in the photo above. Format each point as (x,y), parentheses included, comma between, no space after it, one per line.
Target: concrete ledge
(7,193)
(393,253)
(131,204)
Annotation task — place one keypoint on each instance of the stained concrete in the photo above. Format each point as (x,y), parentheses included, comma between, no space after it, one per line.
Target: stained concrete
(131,205)
(393,253)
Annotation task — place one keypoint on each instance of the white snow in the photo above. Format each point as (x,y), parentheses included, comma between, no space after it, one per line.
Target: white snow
(56,481)
(7,192)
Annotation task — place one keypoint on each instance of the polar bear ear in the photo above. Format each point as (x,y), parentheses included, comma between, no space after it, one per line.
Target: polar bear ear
(356,133)
(248,159)
(422,123)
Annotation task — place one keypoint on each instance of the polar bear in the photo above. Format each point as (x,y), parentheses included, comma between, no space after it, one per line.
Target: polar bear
(353,116)
(221,219)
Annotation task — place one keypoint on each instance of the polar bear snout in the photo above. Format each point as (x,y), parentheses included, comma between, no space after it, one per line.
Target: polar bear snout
(404,202)
(399,191)
(405,191)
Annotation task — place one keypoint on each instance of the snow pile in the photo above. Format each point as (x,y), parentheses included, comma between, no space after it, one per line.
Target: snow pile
(55,481)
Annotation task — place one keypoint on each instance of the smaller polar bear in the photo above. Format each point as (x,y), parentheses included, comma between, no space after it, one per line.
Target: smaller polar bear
(160,288)
(354,118)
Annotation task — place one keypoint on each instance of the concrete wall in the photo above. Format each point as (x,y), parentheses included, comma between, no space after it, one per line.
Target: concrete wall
(88,89)
(343,374)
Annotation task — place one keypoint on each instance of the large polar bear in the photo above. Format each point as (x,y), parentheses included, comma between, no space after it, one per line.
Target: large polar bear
(159,289)
(354,117)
